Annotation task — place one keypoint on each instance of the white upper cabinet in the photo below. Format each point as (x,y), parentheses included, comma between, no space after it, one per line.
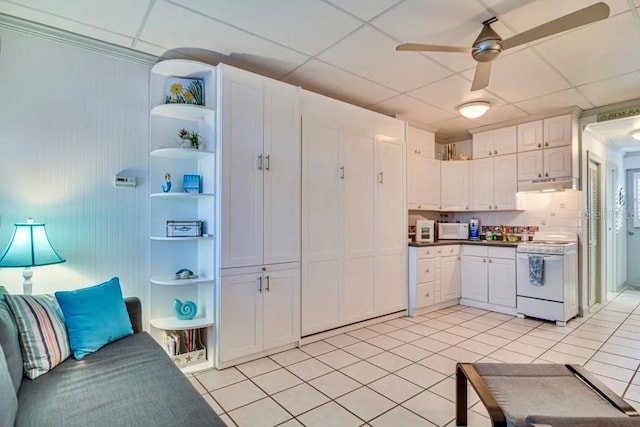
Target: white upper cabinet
(557,162)
(429,184)
(557,131)
(482,184)
(530,136)
(547,133)
(454,184)
(260,170)
(420,143)
(530,165)
(496,142)
(494,183)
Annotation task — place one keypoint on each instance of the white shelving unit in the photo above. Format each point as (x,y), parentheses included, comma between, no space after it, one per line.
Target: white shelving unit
(171,254)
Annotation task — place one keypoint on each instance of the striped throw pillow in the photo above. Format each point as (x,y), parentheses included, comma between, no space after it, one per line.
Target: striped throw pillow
(43,335)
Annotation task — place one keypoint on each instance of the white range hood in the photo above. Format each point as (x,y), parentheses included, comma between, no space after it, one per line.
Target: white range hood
(549,184)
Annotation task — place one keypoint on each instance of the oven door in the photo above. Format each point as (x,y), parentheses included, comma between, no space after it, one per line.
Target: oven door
(552,288)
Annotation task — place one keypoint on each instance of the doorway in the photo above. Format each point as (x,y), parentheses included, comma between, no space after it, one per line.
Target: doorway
(633,226)
(594,205)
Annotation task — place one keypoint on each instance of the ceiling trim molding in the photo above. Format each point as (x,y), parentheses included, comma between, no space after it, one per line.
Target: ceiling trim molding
(76,40)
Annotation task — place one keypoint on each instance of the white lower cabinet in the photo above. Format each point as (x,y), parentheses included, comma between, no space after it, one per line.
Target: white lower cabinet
(489,277)
(259,310)
(434,277)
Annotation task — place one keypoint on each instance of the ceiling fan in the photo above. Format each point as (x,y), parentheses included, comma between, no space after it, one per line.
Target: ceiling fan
(489,44)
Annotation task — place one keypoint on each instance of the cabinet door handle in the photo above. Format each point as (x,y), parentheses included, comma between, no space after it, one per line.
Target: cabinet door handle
(267,283)
(484,260)
(466,207)
(490,261)
(260,162)
(495,151)
(419,151)
(341,172)
(546,144)
(267,162)
(539,145)
(381,179)
(260,284)
(489,152)
(427,270)
(546,174)
(539,175)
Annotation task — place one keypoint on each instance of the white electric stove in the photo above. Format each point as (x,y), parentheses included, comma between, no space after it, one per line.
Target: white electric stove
(555,297)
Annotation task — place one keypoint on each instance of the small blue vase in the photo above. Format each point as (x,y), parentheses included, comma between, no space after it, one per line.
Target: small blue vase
(186,310)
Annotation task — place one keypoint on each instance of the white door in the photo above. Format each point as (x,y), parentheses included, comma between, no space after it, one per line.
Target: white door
(482,144)
(474,278)
(281,173)
(505,182)
(240,328)
(321,210)
(502,282)
(390,231)
(429,184)
(482,184)
(241,129)
(557,162)
(358,227)
(530,136)
(530,165)
(593,229)
(451,281)
(454,185)
(633,226)
(414,168)
(281,307)
(557,131)
(505,141)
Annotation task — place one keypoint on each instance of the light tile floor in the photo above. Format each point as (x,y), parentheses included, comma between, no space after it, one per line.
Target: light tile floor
(401,372)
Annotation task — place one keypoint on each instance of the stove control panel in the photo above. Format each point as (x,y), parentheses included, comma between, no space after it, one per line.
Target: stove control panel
(539,249)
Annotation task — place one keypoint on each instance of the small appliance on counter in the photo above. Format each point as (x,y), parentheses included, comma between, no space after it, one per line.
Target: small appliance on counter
(425,230)
(453,231)
(474,229)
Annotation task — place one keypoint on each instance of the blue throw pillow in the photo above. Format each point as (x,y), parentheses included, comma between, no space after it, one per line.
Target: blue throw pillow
(94,316)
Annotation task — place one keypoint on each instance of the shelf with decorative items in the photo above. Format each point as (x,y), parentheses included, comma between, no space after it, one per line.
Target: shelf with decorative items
(183,198)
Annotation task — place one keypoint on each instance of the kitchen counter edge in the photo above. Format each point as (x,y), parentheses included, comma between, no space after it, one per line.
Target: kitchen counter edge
(465,242)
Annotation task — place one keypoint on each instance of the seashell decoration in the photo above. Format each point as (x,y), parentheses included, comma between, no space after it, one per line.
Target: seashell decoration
(186,310)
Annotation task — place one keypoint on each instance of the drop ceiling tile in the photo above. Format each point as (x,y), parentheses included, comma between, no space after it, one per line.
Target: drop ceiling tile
(597,51)
(64,24)
(500,114)
(522,75)
(328,80)
(610,91)
(118,16)
(201,36)
(364,9)
(412,109)
(371,54)
(564,98)
(452,91)
(301,25)
(450,23)
(533,13)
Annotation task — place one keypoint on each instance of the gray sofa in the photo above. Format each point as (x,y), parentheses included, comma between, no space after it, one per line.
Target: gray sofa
(130,382)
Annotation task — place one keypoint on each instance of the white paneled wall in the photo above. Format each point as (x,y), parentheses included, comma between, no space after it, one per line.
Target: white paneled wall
(70,119)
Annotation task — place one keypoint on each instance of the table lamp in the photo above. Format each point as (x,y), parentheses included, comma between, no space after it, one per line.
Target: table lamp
(29,247)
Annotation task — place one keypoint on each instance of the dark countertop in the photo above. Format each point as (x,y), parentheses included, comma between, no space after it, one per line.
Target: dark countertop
(466,242)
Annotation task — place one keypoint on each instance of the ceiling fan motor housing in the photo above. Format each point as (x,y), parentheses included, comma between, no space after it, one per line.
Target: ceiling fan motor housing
(487,46)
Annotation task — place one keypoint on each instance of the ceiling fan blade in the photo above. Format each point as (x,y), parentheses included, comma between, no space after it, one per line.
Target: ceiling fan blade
(590,14)
(418,47)
(481,77)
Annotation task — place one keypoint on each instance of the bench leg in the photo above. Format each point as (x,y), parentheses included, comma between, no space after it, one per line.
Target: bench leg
(461,396)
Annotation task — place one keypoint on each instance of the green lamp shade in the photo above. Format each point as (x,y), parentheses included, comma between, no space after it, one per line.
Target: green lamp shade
(29,247)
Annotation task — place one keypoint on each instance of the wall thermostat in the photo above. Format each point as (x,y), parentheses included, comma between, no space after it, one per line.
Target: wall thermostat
(124,181)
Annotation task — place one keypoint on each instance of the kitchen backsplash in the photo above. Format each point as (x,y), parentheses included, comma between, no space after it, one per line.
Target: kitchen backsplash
(552,211)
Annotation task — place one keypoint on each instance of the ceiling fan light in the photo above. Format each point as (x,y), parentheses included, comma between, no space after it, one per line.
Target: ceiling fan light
(472,110)
(636,134)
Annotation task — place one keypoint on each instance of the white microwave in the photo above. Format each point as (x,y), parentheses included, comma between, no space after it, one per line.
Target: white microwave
(453,231)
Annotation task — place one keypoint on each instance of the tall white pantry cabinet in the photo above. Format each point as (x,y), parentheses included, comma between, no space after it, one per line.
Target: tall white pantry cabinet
(259,292)
(353,214)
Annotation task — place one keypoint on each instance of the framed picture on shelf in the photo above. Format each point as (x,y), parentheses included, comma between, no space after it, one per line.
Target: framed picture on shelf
(181,90)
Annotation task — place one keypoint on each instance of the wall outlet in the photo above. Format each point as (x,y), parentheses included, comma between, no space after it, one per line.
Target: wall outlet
(124,181)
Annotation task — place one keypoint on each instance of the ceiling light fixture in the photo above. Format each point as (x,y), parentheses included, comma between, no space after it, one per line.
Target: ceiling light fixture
(636,134)
(475,109)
